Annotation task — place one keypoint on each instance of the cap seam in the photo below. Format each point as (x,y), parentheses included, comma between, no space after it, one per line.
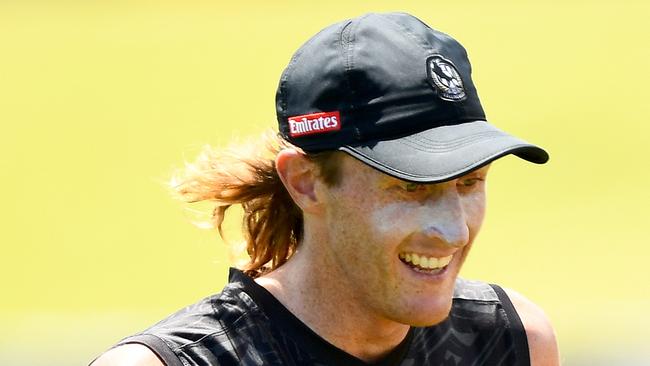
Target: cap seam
(418,137)
(421,42)
(349,66)
(446,173)
(423,145)
(348,57)
(285,75)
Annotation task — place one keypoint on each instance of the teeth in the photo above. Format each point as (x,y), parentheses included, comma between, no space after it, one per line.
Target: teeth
(444,261)
(425,262)
(415,259)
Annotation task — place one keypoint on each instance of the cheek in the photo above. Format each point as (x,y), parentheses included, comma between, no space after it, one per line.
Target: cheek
(356,243)
(394,221)
(474,208)
(349,228)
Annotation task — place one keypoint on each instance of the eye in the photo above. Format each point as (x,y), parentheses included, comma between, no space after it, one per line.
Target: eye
(407,189)
(411,186)
(469,182)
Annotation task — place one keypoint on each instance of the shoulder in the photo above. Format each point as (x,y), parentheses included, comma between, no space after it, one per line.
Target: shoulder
(213,323)
(215,314)
(128,355)
(542,342)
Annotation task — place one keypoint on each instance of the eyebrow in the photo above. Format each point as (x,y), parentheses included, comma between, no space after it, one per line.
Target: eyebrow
(387,179)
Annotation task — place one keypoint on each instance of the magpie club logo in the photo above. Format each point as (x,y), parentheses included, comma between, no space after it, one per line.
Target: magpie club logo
(444,76)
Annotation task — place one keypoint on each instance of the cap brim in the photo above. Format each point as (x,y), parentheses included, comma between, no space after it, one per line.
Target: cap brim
(443,153)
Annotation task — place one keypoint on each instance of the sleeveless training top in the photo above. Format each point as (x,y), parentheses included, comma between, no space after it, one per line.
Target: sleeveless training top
(246,325)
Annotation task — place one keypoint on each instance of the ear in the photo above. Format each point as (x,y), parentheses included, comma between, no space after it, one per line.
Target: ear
(299,177)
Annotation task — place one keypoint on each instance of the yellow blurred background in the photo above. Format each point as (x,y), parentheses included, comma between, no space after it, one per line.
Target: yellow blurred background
(101,101)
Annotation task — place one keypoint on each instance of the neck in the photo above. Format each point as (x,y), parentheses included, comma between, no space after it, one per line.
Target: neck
(321,300)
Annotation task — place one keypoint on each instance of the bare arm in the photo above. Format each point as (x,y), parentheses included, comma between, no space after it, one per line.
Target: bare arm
(128,355)
(542,342)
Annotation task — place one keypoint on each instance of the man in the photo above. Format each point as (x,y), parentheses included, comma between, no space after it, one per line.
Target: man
(359,223)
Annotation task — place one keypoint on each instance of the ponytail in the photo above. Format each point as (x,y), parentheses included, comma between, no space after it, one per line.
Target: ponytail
(246,175)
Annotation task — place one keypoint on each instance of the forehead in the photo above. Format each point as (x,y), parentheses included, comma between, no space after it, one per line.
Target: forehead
(355,169)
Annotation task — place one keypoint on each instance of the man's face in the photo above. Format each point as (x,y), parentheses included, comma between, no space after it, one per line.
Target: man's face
(377,226)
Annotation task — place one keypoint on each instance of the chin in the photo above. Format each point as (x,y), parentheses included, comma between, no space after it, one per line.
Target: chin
(425,314)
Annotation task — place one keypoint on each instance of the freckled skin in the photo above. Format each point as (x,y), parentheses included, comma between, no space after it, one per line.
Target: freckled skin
(373,217)
(345,280)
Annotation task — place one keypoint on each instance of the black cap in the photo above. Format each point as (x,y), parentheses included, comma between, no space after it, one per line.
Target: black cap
(395,94)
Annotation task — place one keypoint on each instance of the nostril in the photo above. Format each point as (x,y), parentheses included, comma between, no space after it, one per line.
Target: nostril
(431,231)
(451,235)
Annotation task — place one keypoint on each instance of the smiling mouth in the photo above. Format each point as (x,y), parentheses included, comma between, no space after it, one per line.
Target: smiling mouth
(424,264)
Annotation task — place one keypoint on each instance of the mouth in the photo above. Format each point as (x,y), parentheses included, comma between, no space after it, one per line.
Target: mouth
(423,264)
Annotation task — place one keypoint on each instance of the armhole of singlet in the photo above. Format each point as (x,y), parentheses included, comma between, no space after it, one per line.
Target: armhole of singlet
(517,327)
(156,345)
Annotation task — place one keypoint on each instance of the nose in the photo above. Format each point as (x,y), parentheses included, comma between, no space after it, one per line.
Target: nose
(443,219)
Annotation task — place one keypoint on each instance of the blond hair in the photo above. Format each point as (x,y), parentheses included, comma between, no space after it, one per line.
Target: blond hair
(272,223)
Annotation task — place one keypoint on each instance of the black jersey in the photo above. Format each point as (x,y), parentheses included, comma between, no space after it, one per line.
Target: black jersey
(246,325)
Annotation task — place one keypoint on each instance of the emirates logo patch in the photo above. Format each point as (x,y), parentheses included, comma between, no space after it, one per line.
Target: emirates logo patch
(309,124)
(444,77)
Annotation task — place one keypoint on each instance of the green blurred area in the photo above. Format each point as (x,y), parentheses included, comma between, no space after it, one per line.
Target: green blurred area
(100,102)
